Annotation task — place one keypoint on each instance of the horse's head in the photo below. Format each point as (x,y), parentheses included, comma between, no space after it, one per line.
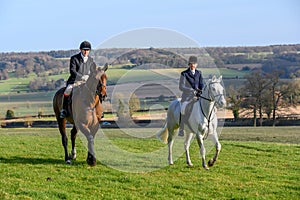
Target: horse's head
(216,91)
(97,81)
(101,87)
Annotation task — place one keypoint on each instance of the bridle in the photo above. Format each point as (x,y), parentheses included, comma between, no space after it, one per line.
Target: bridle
(100,87)
(210,99)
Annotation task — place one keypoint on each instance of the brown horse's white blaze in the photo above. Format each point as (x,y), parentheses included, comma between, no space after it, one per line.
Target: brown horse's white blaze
(86,112)
(204,107)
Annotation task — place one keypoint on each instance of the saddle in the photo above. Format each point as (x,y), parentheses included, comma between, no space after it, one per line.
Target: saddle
(188,109)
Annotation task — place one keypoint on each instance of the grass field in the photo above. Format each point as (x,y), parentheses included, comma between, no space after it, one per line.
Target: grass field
(255,163)
(15,94)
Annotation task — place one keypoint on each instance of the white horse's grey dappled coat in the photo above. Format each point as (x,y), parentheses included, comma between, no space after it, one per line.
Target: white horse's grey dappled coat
(205,107)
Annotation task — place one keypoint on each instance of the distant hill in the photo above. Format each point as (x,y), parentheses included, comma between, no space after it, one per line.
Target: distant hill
(285,58)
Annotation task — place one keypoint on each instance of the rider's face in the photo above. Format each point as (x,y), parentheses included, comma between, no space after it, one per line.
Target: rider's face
(193,66)
(85,52)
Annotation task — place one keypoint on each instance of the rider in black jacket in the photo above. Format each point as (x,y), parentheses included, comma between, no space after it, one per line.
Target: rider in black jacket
(80,66)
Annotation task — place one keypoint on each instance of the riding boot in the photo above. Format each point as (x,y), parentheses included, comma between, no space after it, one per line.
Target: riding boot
(181,127)
(64,110)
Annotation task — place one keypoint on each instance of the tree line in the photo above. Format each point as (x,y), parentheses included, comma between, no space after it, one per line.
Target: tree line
(264,94)
(283,58)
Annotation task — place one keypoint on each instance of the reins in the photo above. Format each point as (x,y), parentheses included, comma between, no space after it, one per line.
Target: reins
(93,93)
(210,99)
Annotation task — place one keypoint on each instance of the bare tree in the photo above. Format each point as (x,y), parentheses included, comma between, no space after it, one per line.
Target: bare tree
(254,89)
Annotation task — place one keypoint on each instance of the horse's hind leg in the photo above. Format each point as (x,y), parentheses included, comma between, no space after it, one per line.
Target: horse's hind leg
(170,146)
(73,138)
(187,144)
(202,149)
(64,138)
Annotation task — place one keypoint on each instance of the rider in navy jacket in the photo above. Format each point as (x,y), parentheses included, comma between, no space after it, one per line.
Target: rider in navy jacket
(191,84)
(191,80)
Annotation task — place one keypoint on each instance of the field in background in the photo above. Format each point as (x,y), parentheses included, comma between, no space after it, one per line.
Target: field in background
(16,96)
(255,163)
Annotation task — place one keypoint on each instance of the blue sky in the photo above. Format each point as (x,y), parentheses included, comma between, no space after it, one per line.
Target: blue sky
(30,25)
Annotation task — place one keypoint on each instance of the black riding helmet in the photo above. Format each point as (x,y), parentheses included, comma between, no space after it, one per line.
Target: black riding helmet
(192,60)
(85,45)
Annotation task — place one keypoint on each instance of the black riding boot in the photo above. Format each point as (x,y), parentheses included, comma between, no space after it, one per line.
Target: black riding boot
(64,110)
(181,127)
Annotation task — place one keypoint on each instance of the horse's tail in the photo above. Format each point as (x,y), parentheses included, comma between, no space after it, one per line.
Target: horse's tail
(162,135)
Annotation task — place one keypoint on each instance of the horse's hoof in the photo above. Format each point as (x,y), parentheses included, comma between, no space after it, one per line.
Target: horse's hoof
(190,164)
(211,162)
(68,162)
(92,164)
(205,167)
(91,160)
(171,163)
(72,156)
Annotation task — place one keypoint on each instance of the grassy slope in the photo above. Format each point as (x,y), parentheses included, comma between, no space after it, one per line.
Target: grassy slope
(14,85)
(32,167)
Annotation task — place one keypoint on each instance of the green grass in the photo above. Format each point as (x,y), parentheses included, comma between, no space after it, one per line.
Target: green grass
(25,104)
(20,85)
(32,167)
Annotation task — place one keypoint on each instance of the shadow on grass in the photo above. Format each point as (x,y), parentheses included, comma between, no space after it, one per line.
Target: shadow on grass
(40,161)
(33,161)
(264,149)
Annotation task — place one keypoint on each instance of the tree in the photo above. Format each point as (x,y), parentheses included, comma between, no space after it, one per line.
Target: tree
(9,114)
(20,71)
(234,100)
(134,104)
(276,93)
(254,89)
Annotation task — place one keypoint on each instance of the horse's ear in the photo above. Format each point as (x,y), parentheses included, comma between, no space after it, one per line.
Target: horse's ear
(105,67)
(220,78)
(213,78)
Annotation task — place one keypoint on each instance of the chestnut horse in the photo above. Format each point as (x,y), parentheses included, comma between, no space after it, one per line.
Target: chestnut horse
(85,112)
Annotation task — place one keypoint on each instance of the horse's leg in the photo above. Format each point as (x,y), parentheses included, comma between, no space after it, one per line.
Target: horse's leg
(202,149)
(73,138)
(187,144)
(218,149)
(91,159)
(64,138)
(170,145)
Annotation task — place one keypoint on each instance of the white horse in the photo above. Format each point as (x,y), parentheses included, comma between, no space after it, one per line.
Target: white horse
(204,109)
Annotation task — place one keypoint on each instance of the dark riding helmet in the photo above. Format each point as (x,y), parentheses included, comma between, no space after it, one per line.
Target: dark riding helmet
(85,45)
(192,60)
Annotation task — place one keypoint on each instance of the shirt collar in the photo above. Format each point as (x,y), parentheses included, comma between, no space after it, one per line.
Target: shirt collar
(84,58)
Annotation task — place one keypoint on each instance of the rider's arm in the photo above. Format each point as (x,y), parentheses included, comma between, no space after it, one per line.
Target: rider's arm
(182,84)
(73,70)
(74,62)
(201,84)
